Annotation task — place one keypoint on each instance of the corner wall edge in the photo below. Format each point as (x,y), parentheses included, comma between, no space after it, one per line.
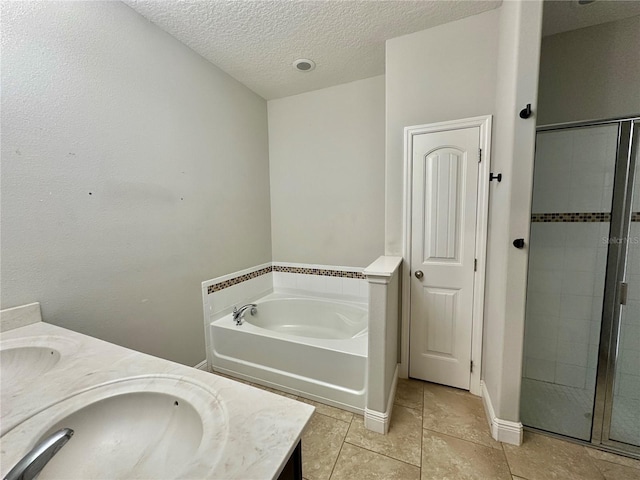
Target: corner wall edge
(501,430)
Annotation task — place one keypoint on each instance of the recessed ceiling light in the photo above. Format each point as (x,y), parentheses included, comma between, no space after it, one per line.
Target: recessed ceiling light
(304,65)
(585,2)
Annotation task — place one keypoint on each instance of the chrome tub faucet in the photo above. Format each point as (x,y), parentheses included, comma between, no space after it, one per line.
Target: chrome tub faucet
(238,313)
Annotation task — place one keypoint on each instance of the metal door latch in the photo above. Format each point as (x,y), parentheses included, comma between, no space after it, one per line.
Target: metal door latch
(623,293)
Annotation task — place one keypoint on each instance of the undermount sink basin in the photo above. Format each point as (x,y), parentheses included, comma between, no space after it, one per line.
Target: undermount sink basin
(23,363)
(159,427)
(26,363)
(24,360)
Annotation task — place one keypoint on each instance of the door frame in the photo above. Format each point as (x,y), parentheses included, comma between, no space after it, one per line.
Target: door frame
(482,213)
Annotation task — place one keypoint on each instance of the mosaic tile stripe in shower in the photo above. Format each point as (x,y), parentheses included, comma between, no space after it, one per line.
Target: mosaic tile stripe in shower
(577,217)
(571,217)
(234,281)
(319,271)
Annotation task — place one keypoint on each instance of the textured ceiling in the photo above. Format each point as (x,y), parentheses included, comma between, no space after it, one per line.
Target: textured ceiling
(564,15)
(256,42)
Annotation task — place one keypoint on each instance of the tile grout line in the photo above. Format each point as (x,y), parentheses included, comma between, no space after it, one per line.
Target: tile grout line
(614,463)
(506,459)
(421,429)
(464,439)
(419,467)
(383,455)
(336,462)
(344,440)
(333,418)
(594,463)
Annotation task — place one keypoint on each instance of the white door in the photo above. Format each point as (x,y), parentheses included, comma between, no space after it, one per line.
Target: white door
(443,226)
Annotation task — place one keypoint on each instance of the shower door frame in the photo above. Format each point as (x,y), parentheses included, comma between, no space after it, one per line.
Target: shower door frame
(625,166)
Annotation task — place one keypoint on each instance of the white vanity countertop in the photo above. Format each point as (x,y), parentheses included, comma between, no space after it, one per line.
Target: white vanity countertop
(263,428)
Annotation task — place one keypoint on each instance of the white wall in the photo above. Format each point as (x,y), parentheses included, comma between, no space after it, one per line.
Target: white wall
(326,151)
(132,170)
(591,73)
(485,64)
(510,204)
(444,73)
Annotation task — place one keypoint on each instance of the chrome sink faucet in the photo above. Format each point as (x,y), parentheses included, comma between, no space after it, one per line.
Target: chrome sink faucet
(238,313)
(33,462)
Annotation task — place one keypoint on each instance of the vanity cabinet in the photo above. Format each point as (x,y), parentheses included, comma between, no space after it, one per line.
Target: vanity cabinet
(293,469)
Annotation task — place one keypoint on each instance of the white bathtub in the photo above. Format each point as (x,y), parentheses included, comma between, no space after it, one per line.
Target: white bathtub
(310,346)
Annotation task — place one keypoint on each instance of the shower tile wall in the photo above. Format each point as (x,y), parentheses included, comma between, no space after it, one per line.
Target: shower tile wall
(574,173)
(564,302)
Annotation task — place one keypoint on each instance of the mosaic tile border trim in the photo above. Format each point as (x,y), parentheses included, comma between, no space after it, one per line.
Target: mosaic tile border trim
(277,268)
(319,271)
(577,217)
(242,278)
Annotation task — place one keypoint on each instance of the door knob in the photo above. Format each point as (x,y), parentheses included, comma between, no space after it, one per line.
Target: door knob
(419,274)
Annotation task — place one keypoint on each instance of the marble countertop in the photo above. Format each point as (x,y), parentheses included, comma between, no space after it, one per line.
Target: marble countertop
(263,428)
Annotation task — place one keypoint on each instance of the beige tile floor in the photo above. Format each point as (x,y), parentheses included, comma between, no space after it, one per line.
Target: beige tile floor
(441,433)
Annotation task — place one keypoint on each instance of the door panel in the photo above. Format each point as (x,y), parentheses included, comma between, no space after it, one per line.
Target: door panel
(444,203)
(441,198)
(442,306)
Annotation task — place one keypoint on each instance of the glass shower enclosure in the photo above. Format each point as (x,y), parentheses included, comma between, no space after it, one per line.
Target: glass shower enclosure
(581,375)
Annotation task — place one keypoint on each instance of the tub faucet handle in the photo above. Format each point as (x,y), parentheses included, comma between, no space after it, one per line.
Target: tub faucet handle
(238,313)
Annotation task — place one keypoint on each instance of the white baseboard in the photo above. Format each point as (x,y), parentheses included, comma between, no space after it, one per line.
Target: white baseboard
(501,430)
(379,421)
(202,366)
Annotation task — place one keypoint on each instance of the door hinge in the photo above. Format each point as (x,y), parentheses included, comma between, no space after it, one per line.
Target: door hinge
(479,155)
(475,264)
(471,366)
(623,293)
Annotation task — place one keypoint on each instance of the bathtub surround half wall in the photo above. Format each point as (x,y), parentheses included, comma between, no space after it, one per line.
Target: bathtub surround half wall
(319,365)
(221,294)
(132,168)
(383,276)
(376,286)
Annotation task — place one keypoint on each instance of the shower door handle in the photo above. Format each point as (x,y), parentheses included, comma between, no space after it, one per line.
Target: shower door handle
(623,293)
(419,274)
